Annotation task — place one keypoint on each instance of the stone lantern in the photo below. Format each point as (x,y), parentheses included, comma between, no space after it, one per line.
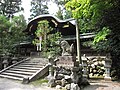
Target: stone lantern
(14,60)
(5,61)
(51,63)
(108,63)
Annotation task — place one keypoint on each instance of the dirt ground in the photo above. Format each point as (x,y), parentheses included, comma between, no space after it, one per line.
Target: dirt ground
(7,84)
(103,85)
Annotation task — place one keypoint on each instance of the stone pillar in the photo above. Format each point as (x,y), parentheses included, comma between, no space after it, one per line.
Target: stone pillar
(85,72)
(51,68)
(85,69)
(108,63)
(51,79)
(5,62)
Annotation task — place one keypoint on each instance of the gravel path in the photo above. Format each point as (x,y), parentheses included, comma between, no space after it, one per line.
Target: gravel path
(7,84)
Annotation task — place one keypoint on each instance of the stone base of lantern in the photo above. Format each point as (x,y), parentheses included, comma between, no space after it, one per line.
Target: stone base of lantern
(107,78)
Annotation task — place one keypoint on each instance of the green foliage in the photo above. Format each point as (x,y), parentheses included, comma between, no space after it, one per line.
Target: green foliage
(62,13)
(101,35)
(9,7)
(4,23)
(102,17)
(88,8)
(89,13)
(11,33)
(53,44)
(68,14)
(49,41)
(4,28)
(59,14)
(39,7)
(39,82)
(42,28)
(111,19)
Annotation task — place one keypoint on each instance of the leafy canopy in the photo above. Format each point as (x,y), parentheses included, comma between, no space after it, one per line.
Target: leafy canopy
(89,13)
(11,33)
(88,8)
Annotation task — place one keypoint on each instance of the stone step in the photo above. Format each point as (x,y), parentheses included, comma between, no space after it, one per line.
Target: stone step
(25,70)
(15,75)
(36,61)
(29,63)
(32,63)
(20,72)
(32,68)
(39,66)
(11,77)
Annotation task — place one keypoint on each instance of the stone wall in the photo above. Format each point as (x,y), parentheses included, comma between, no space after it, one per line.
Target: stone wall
(91,61)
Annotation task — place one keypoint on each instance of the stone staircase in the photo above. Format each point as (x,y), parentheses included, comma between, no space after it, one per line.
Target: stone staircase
(26,70)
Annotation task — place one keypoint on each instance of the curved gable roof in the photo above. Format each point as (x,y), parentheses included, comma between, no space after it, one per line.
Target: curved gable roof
(66,27)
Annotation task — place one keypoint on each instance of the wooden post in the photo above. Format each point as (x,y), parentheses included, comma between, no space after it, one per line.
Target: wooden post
(78,42)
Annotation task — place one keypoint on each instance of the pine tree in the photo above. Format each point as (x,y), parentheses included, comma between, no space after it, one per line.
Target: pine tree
(11,33)
(39,7)
(9,7)
(62,13)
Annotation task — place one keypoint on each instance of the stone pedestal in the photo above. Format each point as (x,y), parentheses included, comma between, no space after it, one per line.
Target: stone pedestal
(66,61)
(74,86)
(107,74)
(75,75)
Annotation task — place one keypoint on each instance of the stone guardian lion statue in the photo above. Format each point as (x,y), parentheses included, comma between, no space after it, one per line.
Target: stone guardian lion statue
(66,48)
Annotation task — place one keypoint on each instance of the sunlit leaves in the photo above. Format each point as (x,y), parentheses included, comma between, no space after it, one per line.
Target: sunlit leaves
(101,35)
(87,8)
(90,14)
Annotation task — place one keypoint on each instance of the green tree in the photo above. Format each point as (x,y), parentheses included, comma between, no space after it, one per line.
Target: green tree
(111,19)
(59,14)
(38,7)
(62,13)
(4,28)
(49,45)
(102,17)
(89,13)
(11,33)
(9,7)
